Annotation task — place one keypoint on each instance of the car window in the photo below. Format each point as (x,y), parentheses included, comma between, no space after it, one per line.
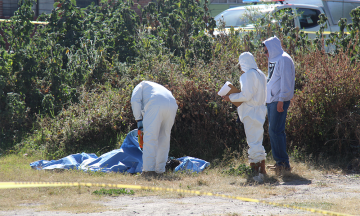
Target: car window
(241,17)
(308,18)
(85,3)
(341,10)
(230,17)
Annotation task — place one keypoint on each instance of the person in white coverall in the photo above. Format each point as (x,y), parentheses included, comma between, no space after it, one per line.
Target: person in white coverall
(154,108)
(252,112)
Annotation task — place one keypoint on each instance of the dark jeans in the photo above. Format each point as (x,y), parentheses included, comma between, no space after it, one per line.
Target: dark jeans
(277,133)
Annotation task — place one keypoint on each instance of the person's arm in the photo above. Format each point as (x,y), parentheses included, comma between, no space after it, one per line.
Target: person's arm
(136,102)
(226,98)
(280,106)
(248,82)
(286,82)
(287,74)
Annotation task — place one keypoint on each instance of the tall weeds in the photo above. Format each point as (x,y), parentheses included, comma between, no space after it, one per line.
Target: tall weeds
(324,114)
(62,95)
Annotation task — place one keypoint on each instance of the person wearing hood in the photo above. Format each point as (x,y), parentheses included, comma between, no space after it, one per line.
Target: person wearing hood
(252,111)
(154,108)
(280,90)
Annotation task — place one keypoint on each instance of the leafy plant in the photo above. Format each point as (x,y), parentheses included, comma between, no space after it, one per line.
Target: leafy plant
(241,170)
(114,192)
(65,87)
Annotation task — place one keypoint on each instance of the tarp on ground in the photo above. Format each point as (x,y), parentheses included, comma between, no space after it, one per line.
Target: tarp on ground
(126,159)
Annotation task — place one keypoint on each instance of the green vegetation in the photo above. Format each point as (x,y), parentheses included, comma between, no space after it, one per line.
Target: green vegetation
(65,87)
(318,205)
(113,192)
(241,170)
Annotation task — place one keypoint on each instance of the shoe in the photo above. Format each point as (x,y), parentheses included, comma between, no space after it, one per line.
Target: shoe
(159,175)
(254,167)
(258,167)
(148,174)
(259,178)
(279,168)
(261,165)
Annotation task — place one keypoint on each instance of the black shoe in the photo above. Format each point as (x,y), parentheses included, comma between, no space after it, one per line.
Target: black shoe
(148,174)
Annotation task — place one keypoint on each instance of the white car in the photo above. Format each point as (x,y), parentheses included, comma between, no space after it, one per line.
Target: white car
(306,15)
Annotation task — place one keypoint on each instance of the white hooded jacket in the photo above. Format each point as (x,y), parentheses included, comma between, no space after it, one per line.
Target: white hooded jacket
(147,94)
(281,74)
(253,90)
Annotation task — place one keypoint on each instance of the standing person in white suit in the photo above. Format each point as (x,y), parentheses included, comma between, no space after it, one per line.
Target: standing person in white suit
(252,112)
(154,108)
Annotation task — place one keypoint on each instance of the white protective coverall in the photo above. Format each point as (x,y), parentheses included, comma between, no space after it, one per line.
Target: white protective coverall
(252,111)
(157,107)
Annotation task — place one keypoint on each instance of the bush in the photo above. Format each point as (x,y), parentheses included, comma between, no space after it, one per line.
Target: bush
(324,114)
(204,125)
(67,89)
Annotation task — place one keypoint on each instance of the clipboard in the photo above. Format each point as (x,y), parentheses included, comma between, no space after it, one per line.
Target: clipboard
(234,90)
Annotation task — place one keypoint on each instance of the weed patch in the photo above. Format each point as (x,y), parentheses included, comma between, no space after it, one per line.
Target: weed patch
(114,192)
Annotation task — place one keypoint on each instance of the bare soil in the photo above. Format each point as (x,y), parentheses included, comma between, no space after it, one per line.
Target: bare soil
(320,192)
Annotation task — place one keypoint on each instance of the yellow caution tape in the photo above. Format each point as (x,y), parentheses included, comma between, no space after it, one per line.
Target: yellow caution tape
(8,185)
(251,29)
(325,32)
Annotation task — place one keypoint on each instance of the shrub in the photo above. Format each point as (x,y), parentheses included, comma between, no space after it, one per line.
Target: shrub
(67,89)
(204,125)
(324,114)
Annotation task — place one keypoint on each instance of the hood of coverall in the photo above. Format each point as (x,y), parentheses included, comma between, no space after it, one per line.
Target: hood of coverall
(273,45)
(247,62)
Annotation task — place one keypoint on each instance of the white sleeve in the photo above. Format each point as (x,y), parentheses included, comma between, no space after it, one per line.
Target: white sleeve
(136,101)
(249,84)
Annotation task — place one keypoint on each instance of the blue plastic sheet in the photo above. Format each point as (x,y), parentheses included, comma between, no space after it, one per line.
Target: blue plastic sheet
(191,164)
(126,159)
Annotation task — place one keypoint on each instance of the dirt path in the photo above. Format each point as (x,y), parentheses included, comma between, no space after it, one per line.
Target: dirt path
(326,187)
(200,205)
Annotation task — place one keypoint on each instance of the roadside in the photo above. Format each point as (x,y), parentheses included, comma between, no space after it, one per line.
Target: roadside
(321,191)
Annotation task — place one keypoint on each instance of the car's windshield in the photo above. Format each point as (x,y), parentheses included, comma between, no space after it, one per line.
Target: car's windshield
(240,17)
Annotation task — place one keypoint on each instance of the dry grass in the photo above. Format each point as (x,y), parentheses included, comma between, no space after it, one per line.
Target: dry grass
(77,199)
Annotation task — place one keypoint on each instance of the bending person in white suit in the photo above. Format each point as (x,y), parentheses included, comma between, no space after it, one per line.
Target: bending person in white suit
(154,108)
(252,112)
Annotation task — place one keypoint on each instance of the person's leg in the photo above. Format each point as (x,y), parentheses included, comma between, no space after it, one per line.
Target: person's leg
(277,134)
(152,123)
(162,152)
(254,131)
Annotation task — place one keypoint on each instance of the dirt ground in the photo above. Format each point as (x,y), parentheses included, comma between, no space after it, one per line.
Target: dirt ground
(325,187)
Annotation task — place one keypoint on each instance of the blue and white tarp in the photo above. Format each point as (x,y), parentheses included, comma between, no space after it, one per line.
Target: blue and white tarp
(126,159)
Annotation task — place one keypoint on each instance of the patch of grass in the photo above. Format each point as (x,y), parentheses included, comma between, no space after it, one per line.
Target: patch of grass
(321,184)
(241,170)
(317,205)
(114,192)
(202,182)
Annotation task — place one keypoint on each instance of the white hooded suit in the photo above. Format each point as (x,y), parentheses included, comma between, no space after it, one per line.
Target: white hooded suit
(157,107)
(252,111)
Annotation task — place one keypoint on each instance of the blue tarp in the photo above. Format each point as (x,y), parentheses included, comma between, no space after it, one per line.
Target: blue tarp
(126,159)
